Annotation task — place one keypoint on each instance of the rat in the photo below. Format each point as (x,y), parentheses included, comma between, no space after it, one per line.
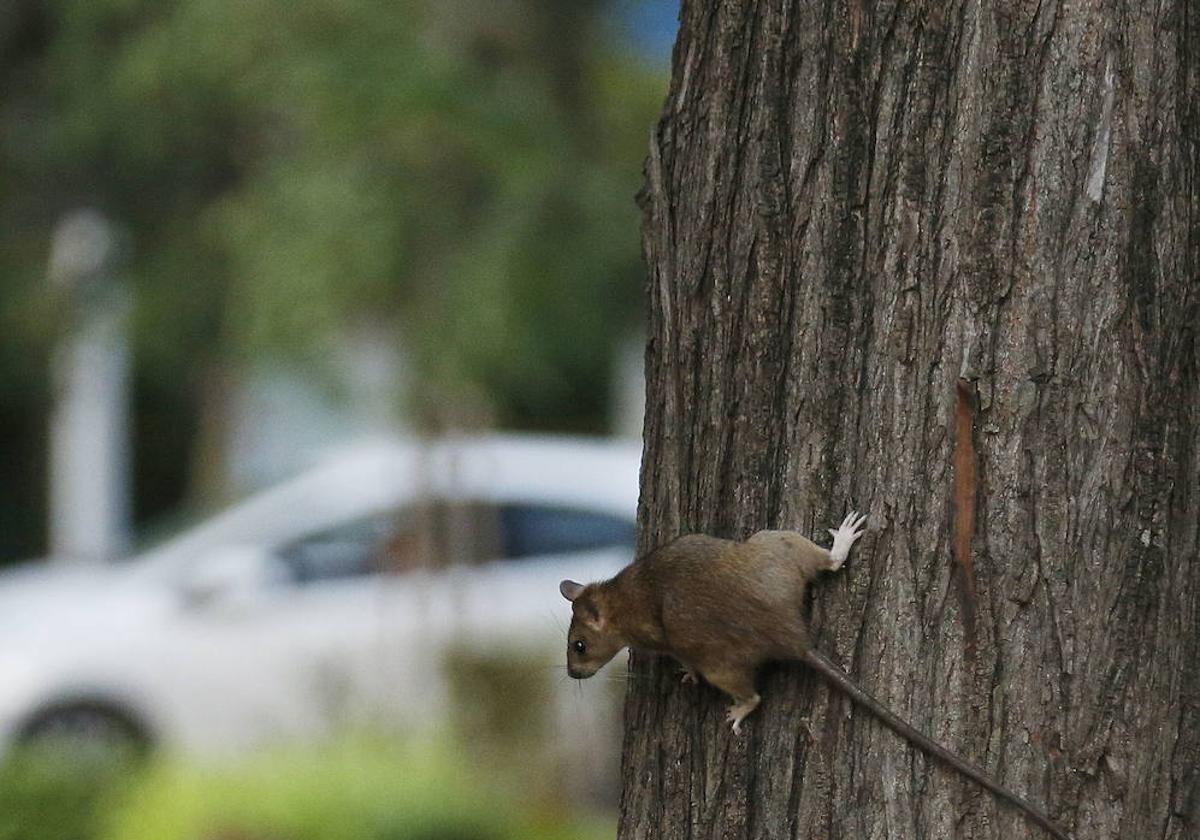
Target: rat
(722,609)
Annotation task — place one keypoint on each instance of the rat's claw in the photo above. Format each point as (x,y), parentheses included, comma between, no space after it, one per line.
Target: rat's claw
(688,677)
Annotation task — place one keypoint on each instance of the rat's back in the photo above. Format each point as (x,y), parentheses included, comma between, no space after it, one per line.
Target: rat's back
(773,565)
(738,596)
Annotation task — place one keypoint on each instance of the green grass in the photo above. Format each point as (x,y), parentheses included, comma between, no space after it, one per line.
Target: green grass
(359,789)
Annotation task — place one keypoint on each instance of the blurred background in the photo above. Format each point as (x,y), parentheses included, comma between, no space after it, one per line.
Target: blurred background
(320,363)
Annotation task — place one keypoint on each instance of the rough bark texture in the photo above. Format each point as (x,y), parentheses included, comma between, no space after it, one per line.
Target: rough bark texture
(849,207)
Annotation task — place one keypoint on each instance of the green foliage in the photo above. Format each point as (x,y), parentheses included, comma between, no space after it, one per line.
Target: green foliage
(288,168)
(50,795)
(459,173)
(357,790)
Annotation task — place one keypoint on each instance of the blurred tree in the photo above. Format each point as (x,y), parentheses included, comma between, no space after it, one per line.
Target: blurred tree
(460,175)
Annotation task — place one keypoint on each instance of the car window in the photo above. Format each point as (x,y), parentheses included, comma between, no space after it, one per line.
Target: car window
(350,550)
(528,530)
(438,533)
(432,534)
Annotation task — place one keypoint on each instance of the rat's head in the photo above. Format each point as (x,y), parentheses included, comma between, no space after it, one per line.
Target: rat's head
(592,639)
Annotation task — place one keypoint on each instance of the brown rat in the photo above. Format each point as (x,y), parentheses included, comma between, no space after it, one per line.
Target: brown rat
(723,609)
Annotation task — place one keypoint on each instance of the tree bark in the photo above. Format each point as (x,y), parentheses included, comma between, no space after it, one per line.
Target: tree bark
(853,211)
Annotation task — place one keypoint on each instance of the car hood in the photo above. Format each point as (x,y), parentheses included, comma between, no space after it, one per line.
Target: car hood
(46,598)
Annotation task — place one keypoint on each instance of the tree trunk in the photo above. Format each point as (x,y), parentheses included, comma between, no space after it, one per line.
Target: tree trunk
(937,261)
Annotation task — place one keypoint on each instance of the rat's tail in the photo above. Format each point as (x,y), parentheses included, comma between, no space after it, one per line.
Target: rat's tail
(839,678)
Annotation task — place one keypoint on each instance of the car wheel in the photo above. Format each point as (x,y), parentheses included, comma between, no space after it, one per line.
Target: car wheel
(88,733)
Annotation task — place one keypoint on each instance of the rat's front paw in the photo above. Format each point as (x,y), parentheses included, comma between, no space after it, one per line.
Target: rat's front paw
(844,537)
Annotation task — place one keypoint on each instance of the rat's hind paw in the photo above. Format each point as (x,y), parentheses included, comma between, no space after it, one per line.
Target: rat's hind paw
(738,711)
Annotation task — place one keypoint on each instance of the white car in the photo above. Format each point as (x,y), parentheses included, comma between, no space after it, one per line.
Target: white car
(331,600)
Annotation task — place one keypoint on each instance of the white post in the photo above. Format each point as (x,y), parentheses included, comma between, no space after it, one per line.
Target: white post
(89,437)
(629,387)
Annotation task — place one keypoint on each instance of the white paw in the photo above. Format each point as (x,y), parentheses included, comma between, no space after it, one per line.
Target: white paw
(736,713)
(844,536)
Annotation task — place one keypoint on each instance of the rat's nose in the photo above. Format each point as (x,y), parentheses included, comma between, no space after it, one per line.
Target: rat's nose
(575,673)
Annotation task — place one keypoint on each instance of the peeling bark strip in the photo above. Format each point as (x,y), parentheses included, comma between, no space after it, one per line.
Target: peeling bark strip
(965,487)
(849,206)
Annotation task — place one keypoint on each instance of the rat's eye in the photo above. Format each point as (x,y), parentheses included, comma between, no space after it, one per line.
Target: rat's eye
(579,646)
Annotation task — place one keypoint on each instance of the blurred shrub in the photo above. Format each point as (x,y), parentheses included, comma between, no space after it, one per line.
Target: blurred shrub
(358,790)
(549,737)
(502,698)
(48,794)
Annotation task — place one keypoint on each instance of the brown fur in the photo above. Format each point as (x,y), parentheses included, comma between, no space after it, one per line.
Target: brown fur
(722,608)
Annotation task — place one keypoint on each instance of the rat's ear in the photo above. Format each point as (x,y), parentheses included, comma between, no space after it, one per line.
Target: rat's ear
(570,589)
